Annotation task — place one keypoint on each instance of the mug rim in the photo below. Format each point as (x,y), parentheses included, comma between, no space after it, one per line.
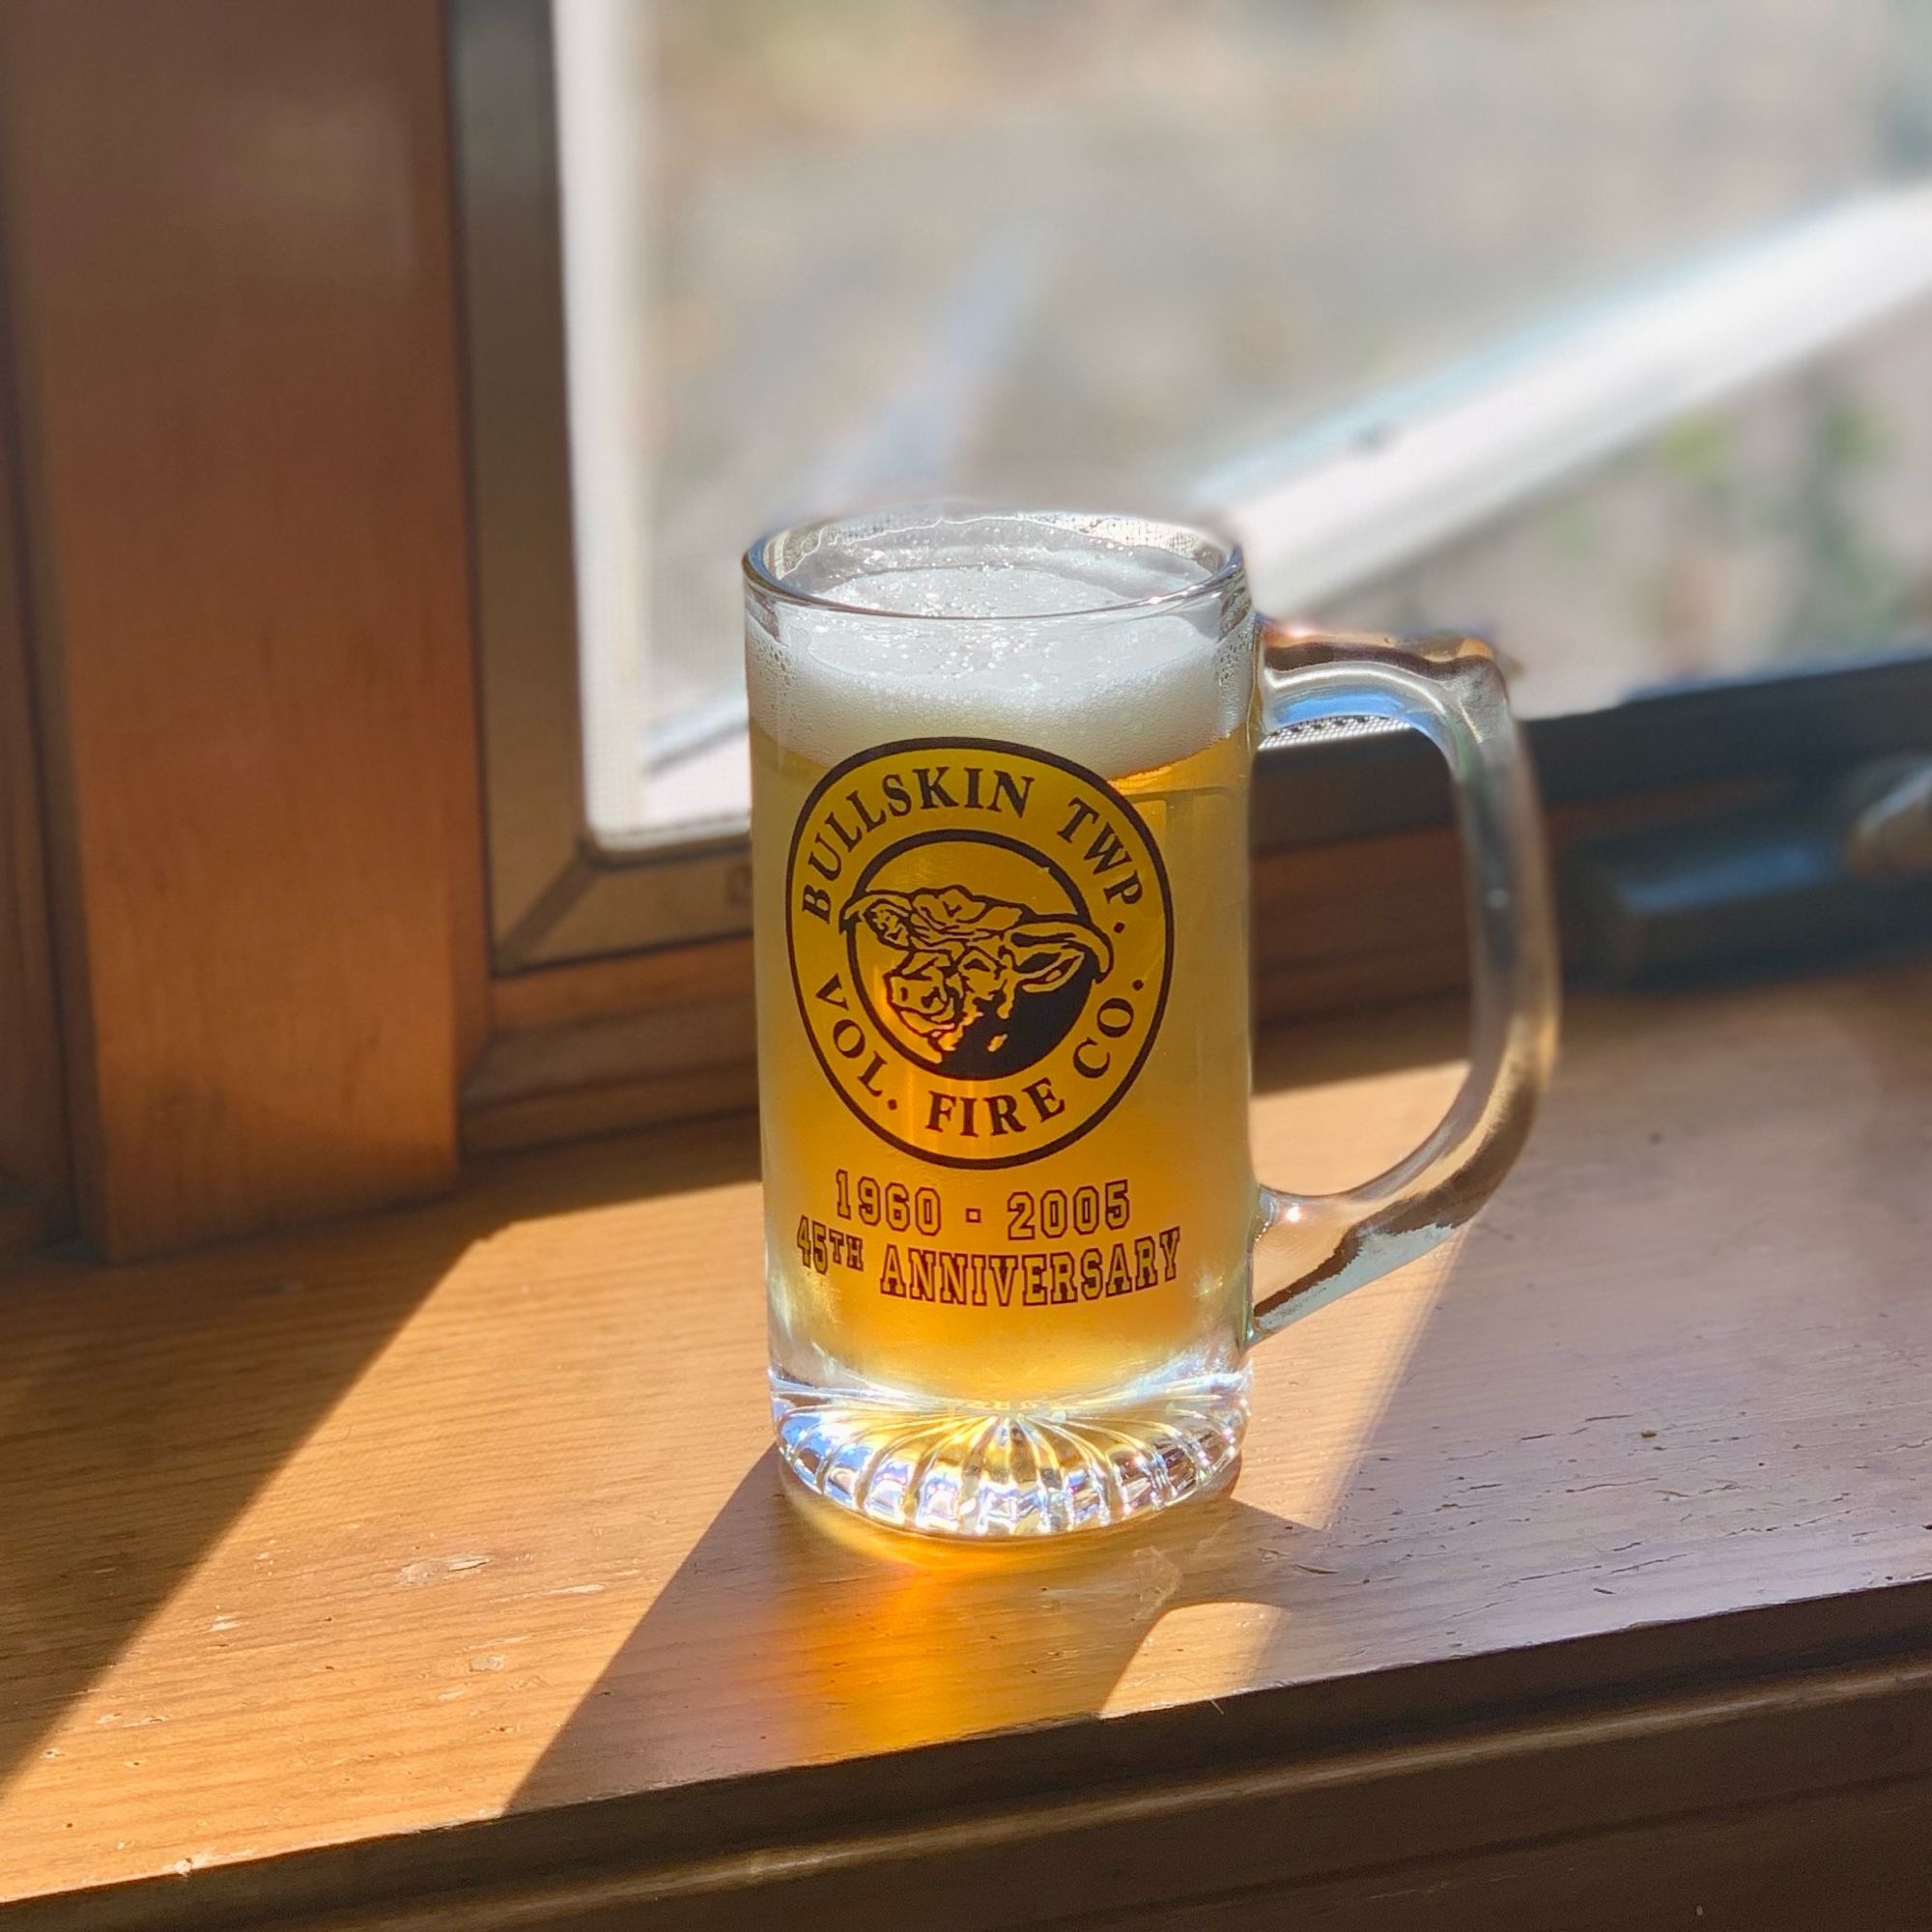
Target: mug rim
(1168,533)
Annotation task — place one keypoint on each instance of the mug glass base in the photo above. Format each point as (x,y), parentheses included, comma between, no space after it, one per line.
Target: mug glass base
(952,1470)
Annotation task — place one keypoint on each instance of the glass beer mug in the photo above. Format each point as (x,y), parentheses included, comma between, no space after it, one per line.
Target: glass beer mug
(1016,1253)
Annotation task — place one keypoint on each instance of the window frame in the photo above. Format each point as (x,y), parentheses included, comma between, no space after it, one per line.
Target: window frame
(556,893)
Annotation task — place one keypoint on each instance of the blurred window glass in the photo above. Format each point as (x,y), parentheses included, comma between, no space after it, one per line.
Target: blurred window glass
(1153,253)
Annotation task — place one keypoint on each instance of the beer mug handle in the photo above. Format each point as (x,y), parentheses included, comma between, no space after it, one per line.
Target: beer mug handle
(1311,1249)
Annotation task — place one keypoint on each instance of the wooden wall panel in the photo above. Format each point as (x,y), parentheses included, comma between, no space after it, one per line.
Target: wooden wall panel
(33,1133)
(230,235)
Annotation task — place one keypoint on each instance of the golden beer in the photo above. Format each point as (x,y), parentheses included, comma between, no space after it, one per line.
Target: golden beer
(892,1269)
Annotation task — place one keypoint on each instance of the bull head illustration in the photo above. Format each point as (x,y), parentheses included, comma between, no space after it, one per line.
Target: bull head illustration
(969,965)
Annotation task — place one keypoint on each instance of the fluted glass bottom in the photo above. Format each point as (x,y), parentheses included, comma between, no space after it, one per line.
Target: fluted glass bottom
(950,1470)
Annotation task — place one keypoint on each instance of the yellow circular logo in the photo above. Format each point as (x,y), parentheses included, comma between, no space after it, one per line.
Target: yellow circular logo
(981,938)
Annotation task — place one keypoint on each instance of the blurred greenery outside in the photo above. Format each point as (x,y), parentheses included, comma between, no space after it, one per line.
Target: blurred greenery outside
(1087,250)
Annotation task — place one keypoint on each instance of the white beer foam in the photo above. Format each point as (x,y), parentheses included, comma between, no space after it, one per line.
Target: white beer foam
(1114,690)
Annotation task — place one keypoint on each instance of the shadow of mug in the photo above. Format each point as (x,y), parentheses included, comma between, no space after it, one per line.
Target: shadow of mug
(792,1634)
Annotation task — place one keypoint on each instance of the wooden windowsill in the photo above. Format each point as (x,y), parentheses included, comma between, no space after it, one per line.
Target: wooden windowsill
(345,1571)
